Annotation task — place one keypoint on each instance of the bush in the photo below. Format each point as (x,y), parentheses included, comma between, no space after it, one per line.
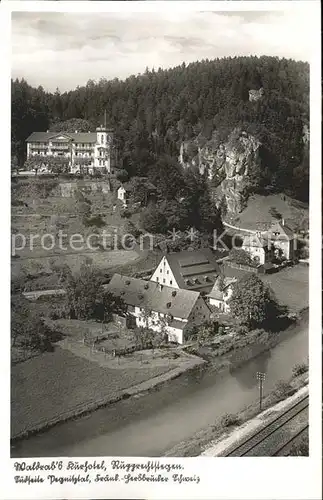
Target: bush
(283,390)
(240,256)
(95,221)
(229,419)
(58,312)
(299,369)
(221,331)
(125,213)
(241,330)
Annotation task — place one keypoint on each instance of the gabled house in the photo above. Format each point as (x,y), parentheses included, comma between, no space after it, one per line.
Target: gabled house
(190,270)
(161,308)
(126,189)
(258,247)
(282,239)
(221,293)
(124,193)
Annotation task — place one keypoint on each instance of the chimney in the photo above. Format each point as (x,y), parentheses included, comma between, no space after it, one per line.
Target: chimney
(283,222)
(76,131)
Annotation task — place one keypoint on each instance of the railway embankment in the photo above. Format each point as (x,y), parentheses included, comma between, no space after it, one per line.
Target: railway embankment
(270,433)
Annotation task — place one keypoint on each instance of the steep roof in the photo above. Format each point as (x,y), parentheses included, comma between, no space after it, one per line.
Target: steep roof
(153,296)
(216,293)
(254,240)
(79,137)
(279,231)
(194,270)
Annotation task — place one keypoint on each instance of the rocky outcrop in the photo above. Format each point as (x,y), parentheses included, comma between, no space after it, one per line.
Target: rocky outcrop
(231,166)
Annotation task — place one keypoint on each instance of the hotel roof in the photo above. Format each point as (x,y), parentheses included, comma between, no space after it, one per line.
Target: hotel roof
(79,137)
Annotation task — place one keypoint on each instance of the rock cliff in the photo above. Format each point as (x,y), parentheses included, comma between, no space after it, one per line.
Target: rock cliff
(231,166)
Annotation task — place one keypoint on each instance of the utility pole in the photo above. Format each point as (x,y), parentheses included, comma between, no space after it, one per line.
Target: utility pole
(261,377)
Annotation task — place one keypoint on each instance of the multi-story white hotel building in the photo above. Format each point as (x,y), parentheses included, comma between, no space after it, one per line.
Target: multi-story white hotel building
(84,150)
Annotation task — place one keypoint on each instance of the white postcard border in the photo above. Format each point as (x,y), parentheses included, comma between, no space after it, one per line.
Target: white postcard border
(252,478)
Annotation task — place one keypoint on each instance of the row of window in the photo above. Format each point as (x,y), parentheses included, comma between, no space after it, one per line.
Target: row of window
(61,144)
(86,155)
(164,281)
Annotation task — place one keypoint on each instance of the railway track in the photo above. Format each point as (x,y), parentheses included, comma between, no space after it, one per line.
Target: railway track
(271,440)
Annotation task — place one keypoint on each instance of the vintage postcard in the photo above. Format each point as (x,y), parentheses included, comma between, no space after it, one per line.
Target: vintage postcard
(163,207)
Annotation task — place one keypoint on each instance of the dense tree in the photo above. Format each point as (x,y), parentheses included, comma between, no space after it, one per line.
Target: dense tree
(153,220)
(72,125)
(252,301)
(28,330)
(86,297)
(154,112)
(240,256)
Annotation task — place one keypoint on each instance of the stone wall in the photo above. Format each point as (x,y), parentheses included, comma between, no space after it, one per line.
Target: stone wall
(68,189)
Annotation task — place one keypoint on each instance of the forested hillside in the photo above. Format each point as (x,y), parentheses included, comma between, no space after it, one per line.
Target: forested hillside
(154,113)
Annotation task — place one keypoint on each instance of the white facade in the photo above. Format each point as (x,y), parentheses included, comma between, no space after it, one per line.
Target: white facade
(174,326)
(84,151)
(164,275)
(257,254)
(123,195)
(222,303)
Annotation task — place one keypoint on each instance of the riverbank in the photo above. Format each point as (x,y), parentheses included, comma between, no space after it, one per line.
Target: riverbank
(31,414)
(213,440)
(239,349)
(153,423)
(39,388)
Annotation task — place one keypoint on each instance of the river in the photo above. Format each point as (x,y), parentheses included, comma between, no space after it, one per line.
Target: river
(151,424)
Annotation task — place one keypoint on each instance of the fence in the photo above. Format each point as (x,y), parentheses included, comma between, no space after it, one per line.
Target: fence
(94,344)
(243,267)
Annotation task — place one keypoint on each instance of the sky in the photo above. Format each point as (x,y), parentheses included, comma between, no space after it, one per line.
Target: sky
(64,50)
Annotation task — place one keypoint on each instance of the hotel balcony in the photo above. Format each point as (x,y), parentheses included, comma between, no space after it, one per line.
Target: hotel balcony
(79,149)
(38,147)
(63,154)
(60,147)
